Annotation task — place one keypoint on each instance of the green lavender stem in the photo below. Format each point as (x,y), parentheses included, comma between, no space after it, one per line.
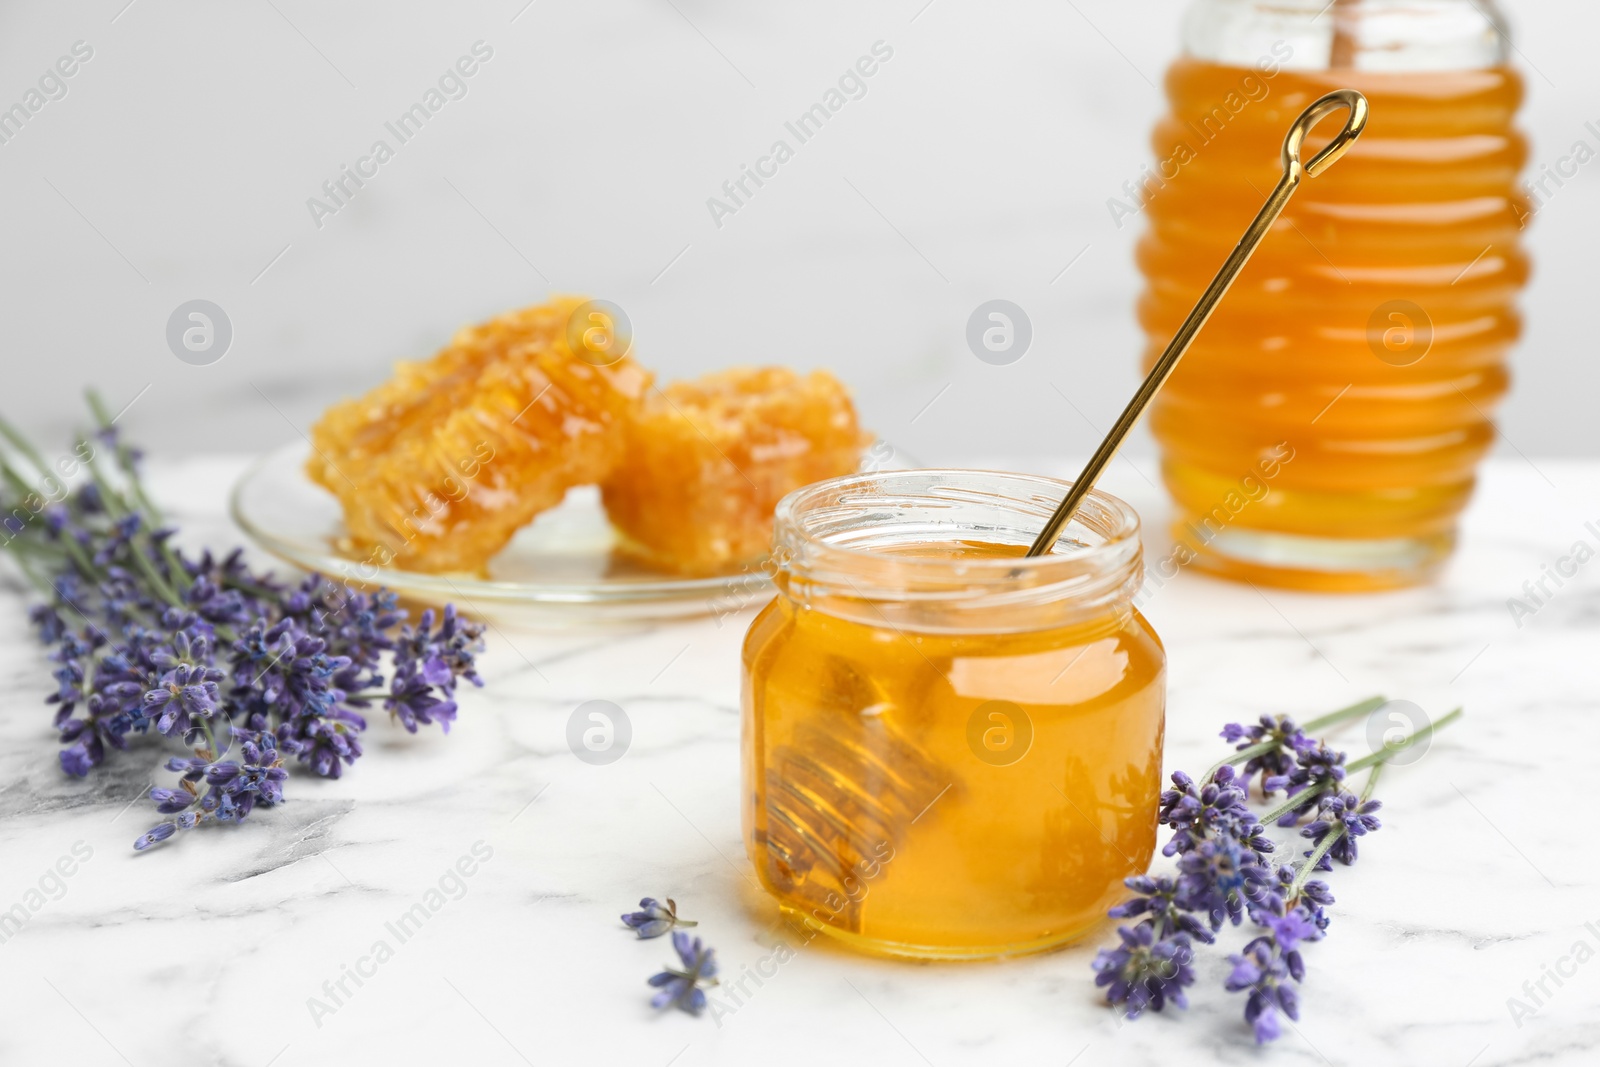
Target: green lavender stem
(72,548)
(124,463)
(115,505)
(1384,754)
(120,508)
(24,446)
(34,577)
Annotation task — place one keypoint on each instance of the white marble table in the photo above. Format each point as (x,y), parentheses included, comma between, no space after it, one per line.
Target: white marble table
(208,952)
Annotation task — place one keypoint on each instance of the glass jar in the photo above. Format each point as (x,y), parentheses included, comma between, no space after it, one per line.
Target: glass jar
(1363,349)
(950,751)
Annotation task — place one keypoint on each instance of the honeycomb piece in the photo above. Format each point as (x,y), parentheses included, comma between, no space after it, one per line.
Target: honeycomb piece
(708,460)
(355,432)
(440,466)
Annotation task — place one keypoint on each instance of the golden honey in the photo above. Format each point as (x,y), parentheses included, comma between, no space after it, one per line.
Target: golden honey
(1367,338)
(950,751)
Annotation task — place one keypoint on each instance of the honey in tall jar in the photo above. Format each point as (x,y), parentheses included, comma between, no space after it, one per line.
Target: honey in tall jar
(1362,352)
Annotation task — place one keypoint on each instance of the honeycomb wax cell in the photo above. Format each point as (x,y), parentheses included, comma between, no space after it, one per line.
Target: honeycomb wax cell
(708,460)
(437,468)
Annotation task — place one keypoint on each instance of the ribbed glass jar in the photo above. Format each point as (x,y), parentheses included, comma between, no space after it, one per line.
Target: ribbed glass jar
(1363,349)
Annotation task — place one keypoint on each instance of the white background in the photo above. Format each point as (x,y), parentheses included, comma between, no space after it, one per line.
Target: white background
(978,165)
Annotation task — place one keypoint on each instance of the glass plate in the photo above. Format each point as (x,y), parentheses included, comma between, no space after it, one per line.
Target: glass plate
(565,565)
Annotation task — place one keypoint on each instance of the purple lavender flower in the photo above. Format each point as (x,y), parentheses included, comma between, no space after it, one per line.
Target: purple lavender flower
(411,700)
(1279,731)
(194,648)
(680,988)
(182,697)
(1144,971)
(1221,879)
(1345,814)
(1264,975)
(259,776)
(327,740)
(1312,897)
(1267,967)
(117,544)
(154,835)
(1163,905)
(1317,892)
(1317,770)
(80,758)
(48,622)
(192,768)
(426,666)
(172,801)
(233,788)
(1200,813)
(654,918)
(1288,930)
(72,652)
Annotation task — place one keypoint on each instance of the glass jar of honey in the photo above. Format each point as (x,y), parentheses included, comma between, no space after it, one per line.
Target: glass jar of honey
(949,750)
(1364,348)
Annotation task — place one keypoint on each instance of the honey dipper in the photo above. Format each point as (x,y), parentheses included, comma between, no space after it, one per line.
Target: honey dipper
(1294,172)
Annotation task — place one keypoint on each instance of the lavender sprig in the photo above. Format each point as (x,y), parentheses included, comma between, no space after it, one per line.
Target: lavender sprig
(1223,875)
(1305,799)
(233,790)
(1272,747)
(146,639)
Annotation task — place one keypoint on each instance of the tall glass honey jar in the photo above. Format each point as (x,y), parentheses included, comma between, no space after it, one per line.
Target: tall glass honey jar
(949,750)
(1367,339)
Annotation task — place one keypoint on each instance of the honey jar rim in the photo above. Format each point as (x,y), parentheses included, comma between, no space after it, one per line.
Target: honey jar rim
(834,540)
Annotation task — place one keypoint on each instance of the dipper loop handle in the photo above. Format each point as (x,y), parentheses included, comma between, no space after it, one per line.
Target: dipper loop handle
(1293,171)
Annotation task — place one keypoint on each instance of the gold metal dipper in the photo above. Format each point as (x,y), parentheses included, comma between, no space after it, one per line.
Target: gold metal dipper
(1293,172)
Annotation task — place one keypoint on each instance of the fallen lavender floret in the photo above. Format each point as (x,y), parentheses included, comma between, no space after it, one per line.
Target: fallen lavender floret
(655,918)
(681,987)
